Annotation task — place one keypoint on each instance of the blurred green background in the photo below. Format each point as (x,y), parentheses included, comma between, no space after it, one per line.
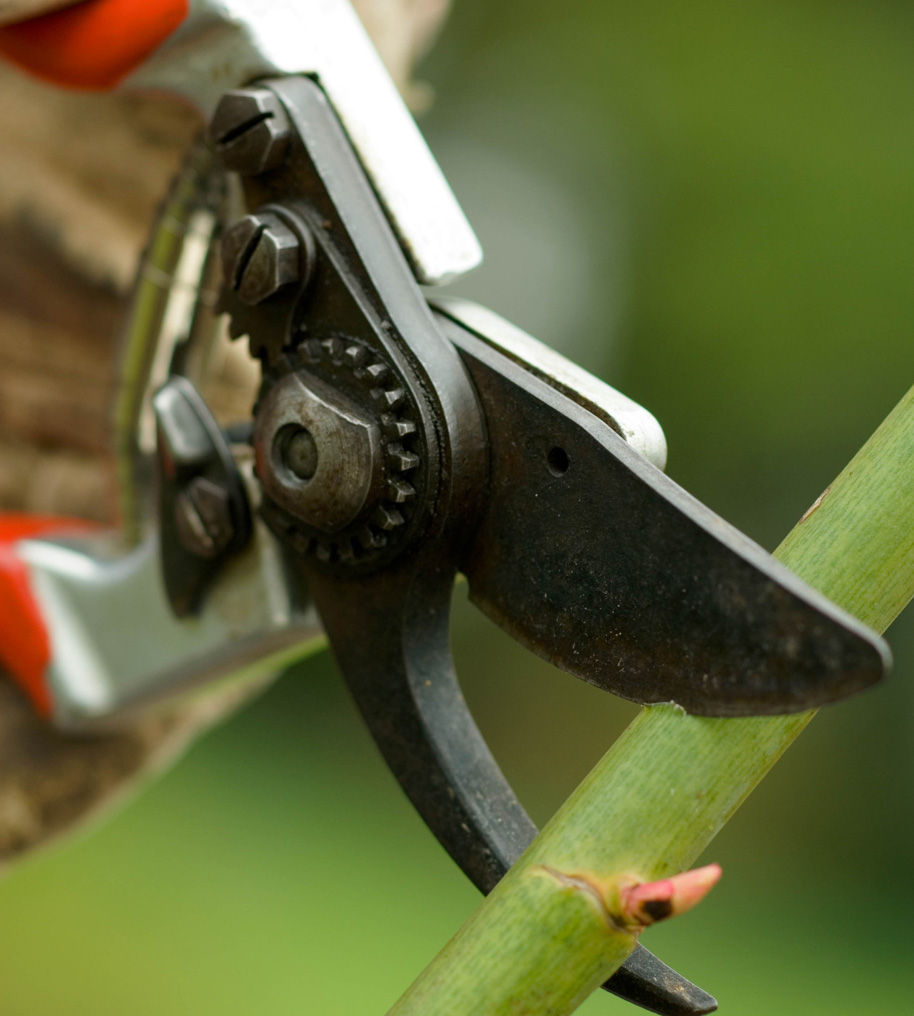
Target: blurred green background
(710,205)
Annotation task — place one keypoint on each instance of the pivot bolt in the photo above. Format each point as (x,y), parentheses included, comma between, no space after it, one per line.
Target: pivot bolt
(250,130)
(260,256)
(316,453)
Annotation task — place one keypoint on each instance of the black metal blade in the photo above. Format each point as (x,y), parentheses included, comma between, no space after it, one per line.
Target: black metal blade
(650,983)
(598,562)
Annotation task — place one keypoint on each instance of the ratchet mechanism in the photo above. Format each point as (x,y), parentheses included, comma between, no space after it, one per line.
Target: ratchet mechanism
(395,442)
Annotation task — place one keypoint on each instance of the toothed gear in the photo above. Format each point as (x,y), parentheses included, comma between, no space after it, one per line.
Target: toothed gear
(384,524)
(266,330)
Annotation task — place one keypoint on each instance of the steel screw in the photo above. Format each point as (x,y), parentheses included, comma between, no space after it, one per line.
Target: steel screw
(250,130)
(260,255)
(203,518)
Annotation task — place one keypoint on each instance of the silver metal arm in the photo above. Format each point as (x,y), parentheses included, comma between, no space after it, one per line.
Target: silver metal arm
(117,647)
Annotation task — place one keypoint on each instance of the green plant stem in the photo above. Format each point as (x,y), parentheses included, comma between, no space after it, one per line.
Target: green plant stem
(546,937)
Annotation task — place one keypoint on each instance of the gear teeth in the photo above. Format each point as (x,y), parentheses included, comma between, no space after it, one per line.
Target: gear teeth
(355,356)
(377,371)
(346,551)
(300,543)
(388,398)
(312,350)
(387,518)
(370,539)
(379,525)
(399,491)
(334,348)
(402,459)
(396,428)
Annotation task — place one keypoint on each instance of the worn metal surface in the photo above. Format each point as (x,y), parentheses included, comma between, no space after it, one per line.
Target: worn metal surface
(491,460)
(570,539)
(383,584)
(339,452)
(250,130)
(598,562)
(361,329)
(401,674)
(261,255)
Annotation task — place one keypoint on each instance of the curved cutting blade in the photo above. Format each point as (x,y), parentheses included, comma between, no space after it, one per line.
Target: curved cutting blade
(596,561)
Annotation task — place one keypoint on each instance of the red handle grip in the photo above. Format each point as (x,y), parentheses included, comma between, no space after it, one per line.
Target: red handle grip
(25,648)
(93,45)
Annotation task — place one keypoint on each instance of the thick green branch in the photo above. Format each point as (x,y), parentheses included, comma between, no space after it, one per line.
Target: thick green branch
(546,938)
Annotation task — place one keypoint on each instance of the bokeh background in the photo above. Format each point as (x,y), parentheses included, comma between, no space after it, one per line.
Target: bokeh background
(709,205)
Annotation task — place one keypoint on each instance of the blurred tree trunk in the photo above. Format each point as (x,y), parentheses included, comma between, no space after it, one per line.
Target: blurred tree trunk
(80,178)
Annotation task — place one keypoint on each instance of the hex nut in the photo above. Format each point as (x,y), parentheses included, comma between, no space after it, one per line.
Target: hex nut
(250,131)
(347,460)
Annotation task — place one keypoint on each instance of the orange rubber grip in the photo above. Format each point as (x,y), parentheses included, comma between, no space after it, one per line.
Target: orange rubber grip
(93,45)
(25,649)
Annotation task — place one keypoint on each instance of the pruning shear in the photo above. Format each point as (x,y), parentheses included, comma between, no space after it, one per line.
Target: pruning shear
(397,440)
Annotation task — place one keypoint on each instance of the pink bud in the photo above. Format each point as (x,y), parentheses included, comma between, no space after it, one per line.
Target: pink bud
(648,902)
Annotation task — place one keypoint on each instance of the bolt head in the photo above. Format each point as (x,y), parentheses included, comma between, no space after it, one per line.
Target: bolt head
(347,466)
(260,255)
(237,242)
(203,518)
(250,131)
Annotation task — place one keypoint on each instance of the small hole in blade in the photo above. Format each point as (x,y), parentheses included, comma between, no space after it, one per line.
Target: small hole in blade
(557,461)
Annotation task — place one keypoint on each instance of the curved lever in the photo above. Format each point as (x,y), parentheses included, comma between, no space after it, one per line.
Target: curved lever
(389,634)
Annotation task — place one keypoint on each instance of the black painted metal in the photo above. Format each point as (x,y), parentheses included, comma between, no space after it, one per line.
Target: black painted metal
(249,130)
(193,459)
(595,560)
(362,324)
(570,540)
(361,300)
(389,634)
